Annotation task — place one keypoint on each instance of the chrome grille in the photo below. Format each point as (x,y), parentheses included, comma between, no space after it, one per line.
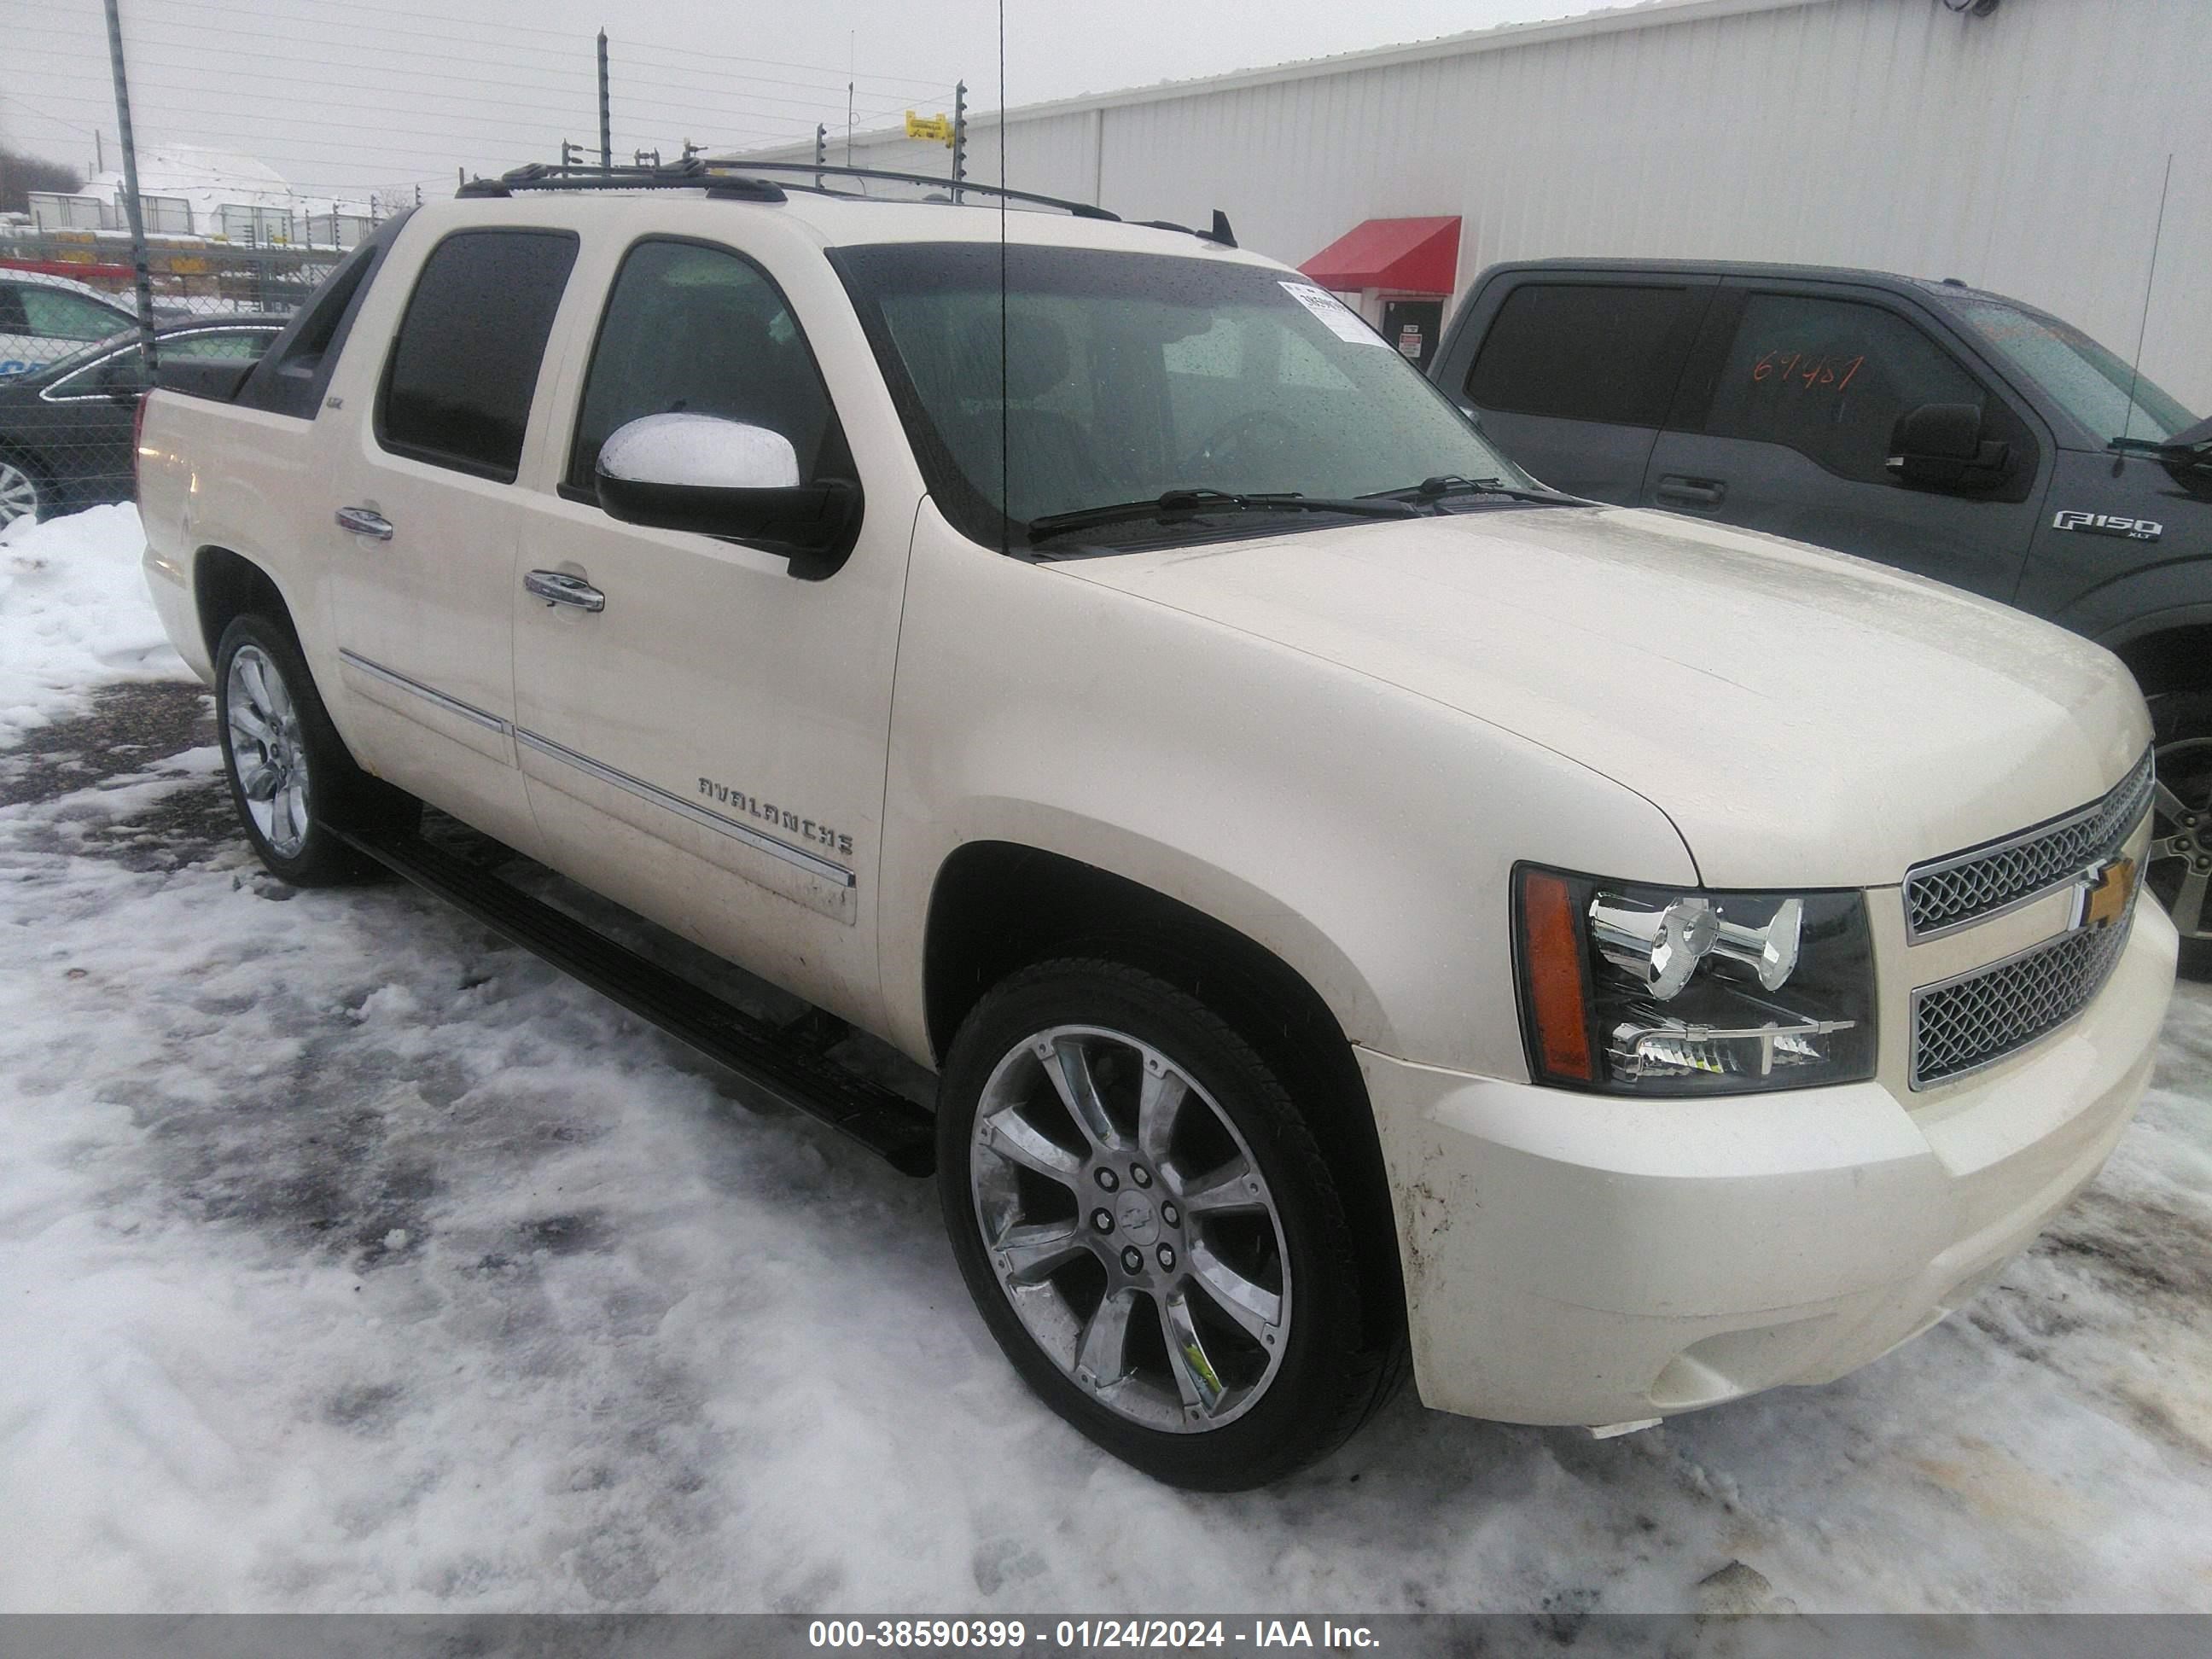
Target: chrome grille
(1970,886)
(1976,1019)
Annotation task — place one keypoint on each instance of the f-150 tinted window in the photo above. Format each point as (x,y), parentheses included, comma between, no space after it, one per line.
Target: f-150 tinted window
(1829,379)
(1587,351)
(458,388)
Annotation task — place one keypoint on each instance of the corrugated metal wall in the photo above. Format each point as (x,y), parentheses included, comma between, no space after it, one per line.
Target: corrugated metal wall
(2020,152)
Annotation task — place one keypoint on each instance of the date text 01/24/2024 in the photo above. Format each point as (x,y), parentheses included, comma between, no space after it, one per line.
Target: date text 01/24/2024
(1087,1635)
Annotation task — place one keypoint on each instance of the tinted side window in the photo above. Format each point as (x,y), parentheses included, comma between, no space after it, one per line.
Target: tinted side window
(700,330)
(458,388)
(1587,351)
(1829,378)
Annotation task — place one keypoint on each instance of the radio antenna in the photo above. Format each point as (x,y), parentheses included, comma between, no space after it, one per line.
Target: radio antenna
(2150,279)
(1005,466)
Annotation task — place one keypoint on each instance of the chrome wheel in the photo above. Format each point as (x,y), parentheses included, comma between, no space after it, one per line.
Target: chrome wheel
(1128,1225)
(19,494)
(2178,867)
(266,751)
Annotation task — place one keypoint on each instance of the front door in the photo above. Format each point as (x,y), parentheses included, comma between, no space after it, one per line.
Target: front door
(704,737)
(422,523)
(1783,425)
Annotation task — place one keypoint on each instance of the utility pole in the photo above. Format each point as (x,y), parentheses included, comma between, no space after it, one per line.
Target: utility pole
(132,207)
(606,127)
(959,137)
(99,153)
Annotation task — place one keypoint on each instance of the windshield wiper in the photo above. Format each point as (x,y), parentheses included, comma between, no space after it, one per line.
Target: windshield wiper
(2171,449)
(1180,504)
(1451,483)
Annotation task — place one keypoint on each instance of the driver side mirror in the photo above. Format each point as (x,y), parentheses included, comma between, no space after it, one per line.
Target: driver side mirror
(1940,447)
(724,477)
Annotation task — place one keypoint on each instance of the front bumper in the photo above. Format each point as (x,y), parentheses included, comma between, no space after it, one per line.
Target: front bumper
(1587,1259)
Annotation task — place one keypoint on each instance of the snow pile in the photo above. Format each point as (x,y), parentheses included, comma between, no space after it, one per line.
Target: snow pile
(75,612)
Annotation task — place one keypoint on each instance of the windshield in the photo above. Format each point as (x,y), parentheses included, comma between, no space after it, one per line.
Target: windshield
(2085,379)
(1130,375)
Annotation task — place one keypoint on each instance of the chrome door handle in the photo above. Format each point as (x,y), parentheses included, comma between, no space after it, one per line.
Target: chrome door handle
(1690,492)
(365,522)
(558,587)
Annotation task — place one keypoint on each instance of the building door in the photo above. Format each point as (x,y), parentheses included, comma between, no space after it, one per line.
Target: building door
(1412,325)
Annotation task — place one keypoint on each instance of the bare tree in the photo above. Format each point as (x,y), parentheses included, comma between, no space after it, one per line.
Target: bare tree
(20,175)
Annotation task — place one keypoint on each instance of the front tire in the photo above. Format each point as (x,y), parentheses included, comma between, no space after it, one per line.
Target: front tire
(2179,869)
(291,779)
(1150,1230)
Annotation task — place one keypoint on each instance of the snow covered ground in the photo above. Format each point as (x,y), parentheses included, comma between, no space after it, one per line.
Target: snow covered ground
(351,1259)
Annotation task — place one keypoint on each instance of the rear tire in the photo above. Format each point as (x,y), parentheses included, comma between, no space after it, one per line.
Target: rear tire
(2179,868)
(1171,1270)
(291,779)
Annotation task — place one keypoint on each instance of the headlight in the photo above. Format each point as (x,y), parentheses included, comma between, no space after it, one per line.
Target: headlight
(1658,991)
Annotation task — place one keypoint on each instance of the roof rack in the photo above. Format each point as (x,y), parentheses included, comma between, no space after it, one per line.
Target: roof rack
(694,173)
(1080,209)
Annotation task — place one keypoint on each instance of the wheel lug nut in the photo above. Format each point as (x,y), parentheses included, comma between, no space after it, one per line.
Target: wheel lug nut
(1167,1258)
(1172,1215)
(1108,1180)
(1102,1220)
(1140,1175)
(1132,1259)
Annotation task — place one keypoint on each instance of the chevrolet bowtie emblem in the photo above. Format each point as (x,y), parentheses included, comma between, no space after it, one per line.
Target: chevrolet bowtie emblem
(2105,894)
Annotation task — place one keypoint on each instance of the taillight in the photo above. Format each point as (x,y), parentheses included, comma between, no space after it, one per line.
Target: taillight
(137,437)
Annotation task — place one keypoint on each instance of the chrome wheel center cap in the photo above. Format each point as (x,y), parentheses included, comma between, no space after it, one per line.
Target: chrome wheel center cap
(1138,1222)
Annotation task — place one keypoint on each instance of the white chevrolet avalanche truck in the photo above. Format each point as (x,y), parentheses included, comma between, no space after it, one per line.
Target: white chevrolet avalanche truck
(1362,909)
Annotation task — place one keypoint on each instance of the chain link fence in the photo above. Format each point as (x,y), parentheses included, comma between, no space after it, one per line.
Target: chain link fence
(71,362)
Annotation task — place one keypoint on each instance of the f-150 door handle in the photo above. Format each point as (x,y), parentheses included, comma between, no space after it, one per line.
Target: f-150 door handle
(559,587)
(1690,492)
(365,522)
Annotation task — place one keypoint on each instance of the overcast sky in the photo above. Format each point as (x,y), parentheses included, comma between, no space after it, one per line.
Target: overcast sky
(345,96)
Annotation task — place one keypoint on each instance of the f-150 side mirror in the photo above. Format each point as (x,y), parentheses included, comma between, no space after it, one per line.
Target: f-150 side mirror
(1940,447)
(724,477)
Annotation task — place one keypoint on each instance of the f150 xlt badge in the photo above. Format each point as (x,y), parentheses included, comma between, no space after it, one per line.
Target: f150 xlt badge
(2103,524)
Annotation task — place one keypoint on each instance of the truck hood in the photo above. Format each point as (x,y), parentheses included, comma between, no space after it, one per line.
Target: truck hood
(1804,718)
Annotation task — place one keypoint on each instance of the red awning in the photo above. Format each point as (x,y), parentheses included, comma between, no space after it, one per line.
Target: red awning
(1420,256)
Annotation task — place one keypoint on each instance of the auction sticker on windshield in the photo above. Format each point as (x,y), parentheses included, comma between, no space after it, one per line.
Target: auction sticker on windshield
(1338,318)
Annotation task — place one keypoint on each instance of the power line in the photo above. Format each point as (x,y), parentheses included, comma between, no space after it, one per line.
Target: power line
(503,32)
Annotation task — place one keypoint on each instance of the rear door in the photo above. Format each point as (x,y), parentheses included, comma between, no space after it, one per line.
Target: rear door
(423,522)
(1784,424)
(1572,373)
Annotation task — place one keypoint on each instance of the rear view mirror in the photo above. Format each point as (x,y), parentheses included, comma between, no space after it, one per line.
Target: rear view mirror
(723,478)
(1940,447)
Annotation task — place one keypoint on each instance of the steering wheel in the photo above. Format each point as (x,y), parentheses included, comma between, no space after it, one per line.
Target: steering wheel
(1246,442)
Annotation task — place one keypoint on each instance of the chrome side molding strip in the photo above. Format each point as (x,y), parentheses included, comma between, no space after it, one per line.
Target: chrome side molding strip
(451,705)
(661,797)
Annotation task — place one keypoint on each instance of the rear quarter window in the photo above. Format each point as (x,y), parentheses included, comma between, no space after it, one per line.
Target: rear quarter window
(463,366)
(1588,351)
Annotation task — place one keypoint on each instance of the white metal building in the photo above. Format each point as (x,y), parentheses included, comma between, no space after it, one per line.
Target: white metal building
(2021,146)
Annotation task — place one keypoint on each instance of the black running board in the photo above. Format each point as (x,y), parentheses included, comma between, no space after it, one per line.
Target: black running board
(786,1066)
